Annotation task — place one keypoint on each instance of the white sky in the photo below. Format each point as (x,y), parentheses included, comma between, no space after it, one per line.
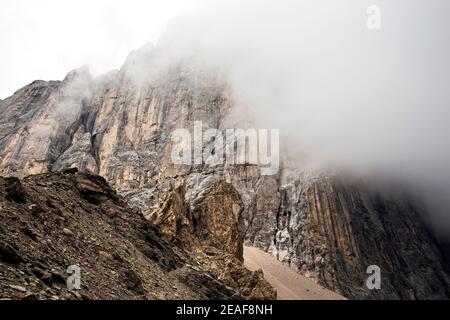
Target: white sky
(45,39)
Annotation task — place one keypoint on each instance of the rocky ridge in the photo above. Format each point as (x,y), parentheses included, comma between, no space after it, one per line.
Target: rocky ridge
(50,222)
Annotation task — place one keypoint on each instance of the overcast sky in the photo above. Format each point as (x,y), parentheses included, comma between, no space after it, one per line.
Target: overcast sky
(45,39)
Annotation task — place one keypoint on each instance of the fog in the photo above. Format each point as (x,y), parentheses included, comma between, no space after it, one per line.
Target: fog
(373,102)
(47,38)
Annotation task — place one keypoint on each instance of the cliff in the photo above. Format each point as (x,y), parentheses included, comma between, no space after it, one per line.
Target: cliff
(119,126)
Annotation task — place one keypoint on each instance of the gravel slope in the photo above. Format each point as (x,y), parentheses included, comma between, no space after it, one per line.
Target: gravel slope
(289,284)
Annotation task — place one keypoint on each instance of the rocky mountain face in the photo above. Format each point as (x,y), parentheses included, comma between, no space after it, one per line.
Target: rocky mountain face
(119,126)
(53,221)
(342,227)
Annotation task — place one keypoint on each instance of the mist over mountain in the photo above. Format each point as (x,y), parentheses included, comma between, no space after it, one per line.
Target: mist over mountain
(365,176)
(372,102)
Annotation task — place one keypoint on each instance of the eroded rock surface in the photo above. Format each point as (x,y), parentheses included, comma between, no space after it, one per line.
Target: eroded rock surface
(333,229)
(212,233)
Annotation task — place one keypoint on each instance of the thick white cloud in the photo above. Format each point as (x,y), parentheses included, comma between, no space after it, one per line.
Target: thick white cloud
(47,38)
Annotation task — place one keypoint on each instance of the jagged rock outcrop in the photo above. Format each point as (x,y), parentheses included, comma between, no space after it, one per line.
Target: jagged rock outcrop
(119,126)
(37,123)
(212,233)
(49,222)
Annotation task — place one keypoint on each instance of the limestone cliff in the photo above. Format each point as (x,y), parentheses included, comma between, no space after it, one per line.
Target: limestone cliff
(119,126)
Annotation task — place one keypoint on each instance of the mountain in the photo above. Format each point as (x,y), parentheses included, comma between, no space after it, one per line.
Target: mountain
(52,221)
(327,226)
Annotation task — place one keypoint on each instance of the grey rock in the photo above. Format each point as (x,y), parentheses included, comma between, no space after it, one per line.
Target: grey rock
(67,232)
(18,288)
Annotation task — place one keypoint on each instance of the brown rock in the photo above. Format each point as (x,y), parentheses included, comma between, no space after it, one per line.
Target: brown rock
(212,232)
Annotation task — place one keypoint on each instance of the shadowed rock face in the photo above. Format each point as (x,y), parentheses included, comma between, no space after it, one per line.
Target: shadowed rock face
(326,227)
(343,227)
(215,221)
(211,232)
